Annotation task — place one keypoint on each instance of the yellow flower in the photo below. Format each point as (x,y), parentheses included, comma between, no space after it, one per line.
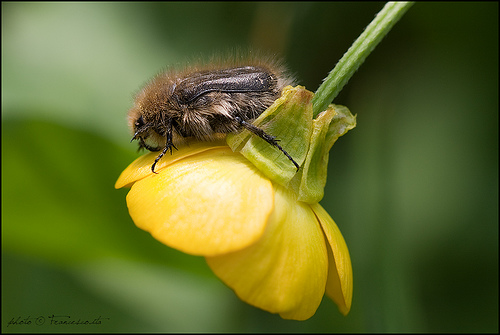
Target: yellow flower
(267,238)
(276,253)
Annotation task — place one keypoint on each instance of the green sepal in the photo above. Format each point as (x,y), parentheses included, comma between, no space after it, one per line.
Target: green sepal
(289,120)
(308,141)
(328,126)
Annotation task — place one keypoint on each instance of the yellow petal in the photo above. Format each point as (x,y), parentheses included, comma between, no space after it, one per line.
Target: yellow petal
(285,272)
(141,167)
(339,285)
(206,204)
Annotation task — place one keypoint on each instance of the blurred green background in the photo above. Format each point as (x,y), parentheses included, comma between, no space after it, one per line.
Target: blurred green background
(414,188)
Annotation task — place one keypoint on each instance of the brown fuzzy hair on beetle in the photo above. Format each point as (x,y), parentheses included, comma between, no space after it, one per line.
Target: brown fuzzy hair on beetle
(204,101)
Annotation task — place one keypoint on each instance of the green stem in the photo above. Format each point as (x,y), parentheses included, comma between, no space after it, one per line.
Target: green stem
(357,53)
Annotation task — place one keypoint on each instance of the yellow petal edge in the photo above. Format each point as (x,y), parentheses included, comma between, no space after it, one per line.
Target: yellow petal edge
(141,167)
(340,279)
